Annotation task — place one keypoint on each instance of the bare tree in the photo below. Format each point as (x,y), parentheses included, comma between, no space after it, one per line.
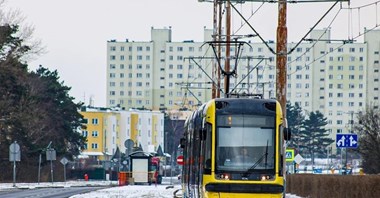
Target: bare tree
(368,129)
(10,16)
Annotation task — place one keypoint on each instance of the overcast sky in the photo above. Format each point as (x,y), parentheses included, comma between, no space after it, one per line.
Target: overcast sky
(75,32)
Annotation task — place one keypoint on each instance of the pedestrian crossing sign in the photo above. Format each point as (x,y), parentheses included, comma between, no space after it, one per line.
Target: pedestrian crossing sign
(289,155)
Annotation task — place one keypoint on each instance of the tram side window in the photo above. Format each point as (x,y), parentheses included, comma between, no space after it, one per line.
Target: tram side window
(207,154)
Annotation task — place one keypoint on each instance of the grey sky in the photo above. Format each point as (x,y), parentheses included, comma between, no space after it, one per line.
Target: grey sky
(75,32)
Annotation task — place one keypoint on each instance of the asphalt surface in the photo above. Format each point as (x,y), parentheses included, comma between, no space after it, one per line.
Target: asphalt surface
(61,192)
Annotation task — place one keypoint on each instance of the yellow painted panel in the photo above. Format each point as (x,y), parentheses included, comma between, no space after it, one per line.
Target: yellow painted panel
(134,124)
(99,127)
(154,129)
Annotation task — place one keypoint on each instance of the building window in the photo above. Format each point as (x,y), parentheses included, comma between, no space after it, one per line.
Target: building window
(94,133)
(94,121)
(84,133)
(94,145)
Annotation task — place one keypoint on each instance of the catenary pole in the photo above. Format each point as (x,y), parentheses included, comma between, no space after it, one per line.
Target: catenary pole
(282,34)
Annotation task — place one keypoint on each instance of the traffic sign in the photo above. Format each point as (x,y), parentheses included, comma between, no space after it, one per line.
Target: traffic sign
(14,152)
(64,161)
(289,155)
(180,160)
(346,140)
(51,154)
(298,159)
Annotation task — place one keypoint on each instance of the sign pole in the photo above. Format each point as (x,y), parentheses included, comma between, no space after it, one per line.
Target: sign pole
(346,161)
(64,162)
(51,165)
(14,155)
(39,168)
(64,172)
(14,164)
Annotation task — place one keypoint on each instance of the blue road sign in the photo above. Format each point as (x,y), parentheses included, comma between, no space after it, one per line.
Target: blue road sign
(346,140)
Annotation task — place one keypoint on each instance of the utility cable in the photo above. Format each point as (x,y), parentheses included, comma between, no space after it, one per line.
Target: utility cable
(361,34)
(352,38)
(328,27)
(253,13)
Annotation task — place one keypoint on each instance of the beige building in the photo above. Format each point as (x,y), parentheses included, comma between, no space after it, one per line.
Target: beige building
(110,128)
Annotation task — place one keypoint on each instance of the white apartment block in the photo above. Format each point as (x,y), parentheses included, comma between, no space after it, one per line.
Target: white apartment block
(338,79)
(156,74)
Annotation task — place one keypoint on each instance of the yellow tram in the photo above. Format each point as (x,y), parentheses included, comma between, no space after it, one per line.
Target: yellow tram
(234,147)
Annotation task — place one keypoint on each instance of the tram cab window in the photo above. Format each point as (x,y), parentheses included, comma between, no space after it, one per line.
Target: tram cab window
(244,143)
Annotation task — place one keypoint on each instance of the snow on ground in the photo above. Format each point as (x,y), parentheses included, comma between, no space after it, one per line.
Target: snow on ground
(133,191)
(164,190)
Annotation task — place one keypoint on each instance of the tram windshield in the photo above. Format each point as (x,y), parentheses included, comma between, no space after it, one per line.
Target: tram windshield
(245,143)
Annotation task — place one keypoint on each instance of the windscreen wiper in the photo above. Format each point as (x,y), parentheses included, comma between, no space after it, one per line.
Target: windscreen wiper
(262,157)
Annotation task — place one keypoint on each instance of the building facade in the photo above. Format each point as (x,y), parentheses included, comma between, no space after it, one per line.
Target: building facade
(109,128)
(156,74)
(336,78)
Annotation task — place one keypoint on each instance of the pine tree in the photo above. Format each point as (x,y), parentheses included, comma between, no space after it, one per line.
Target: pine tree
(35,108)
(295,120)
(314,135)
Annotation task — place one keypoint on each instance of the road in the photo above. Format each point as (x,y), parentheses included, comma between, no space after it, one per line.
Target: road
(46,192)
